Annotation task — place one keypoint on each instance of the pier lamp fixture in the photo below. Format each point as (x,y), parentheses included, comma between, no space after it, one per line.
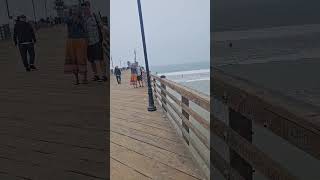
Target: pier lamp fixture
(151,106)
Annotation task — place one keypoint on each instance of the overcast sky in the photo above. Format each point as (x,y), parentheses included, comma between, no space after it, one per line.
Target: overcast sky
(177,31)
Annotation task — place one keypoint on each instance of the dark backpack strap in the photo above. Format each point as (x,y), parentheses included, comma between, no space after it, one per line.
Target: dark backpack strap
(99,29)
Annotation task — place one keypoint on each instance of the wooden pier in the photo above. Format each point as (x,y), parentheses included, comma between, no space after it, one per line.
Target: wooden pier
(145,145)
(52,129)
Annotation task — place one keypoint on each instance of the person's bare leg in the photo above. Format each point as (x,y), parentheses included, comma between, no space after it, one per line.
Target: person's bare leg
(94,68)
(77,77)
(85,78)
(103,70)
(95,71)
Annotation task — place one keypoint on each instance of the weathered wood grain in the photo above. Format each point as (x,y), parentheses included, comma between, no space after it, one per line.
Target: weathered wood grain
(145,141)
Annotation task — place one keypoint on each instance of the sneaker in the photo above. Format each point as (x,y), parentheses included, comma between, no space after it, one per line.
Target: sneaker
(104,78)
(96,78)
(33,67)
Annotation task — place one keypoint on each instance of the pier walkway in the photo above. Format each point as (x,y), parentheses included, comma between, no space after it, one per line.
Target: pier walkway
(50,129)
(144,145)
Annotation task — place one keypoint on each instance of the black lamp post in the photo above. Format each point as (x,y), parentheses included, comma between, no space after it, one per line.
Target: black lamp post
(8,12)
(45,7)
(151,106)
(34,12)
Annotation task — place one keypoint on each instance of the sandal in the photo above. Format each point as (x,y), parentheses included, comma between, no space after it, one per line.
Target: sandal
(96,78)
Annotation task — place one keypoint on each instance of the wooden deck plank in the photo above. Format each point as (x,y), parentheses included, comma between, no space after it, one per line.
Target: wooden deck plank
(145,141)
(171,146)
(146,165)
(131,174)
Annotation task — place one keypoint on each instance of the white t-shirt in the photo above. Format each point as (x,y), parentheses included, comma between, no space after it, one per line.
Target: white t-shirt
(138,71)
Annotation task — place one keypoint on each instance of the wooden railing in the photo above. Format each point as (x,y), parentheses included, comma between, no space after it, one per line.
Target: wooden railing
(5,32)
(252,110)
(179,103)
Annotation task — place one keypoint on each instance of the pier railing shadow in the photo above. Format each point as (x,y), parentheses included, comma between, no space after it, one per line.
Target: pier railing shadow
(189,112)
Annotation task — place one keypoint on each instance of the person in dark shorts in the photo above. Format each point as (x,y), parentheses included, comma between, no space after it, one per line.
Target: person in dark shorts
(24,37)
(117,73)
(95,49)
(139,76)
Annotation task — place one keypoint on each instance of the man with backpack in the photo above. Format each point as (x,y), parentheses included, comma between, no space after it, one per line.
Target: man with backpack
(117,72)
(24,37)
(95,50)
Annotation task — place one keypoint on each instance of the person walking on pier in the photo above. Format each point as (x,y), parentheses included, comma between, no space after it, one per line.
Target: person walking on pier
(139,76)
(24,37)
(117,72)
(76,46)
(133,80)
(95,50)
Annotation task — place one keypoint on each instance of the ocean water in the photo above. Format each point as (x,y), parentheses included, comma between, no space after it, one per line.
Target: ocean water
(192,75)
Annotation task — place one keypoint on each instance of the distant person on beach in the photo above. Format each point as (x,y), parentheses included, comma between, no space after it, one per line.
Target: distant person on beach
(139,76)
(117,73)
(24,37)
(133,80)
(95,50)
(76,46)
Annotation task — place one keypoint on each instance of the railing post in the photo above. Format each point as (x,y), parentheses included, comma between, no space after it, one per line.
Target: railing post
(185,101)
(154,87)
(163,100)
(1,33)
(243,127)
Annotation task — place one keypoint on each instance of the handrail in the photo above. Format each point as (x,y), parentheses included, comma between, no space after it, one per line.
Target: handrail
(198,98)
(296,122)
(269,108)
(181,114)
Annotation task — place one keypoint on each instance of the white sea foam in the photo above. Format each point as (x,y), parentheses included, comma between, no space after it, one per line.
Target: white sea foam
(201,79)
(200,71)
(189,76)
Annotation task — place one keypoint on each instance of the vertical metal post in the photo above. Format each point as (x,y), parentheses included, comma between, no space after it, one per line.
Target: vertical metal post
(45,7)
(34,12)
(151,106)
(8,12)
